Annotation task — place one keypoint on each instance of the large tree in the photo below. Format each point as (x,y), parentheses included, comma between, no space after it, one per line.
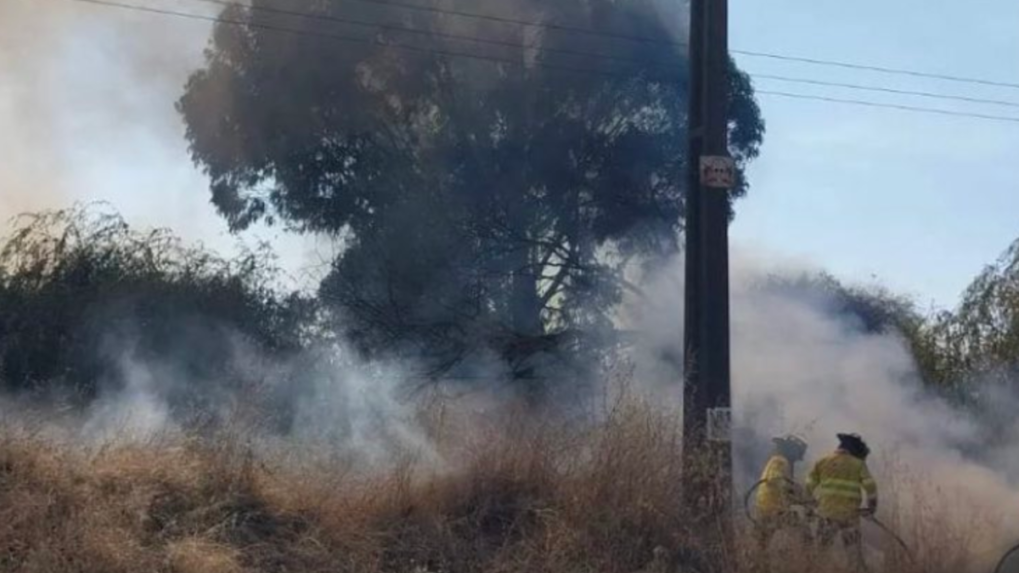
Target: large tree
(489,179)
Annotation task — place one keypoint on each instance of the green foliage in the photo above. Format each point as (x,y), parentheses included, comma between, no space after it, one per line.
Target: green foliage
(980,340)
(957,353)
(876,310)
(81,292)
(873,310)
(479,201)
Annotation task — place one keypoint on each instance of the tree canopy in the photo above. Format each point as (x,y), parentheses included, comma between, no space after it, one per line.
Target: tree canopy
(979,341)
(82,295)
(489,180)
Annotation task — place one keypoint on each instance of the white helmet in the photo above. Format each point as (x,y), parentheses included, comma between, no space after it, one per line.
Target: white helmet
(791,446)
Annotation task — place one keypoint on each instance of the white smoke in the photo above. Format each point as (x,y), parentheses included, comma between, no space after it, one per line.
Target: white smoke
(338,406)
(137,413)
(801,367)
(361,408)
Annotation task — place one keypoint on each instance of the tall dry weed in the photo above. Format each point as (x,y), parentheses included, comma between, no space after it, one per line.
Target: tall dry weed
(509,493)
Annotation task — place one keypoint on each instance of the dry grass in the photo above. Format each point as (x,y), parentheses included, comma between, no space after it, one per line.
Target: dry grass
(513,495)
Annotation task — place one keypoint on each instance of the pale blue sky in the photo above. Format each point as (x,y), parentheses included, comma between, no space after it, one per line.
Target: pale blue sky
(922,202)
(919,202)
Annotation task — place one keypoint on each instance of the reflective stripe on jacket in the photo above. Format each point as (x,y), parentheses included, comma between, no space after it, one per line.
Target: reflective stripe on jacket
(838,483)
(776,490)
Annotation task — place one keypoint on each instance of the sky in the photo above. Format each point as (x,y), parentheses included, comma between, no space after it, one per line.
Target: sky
(917,202)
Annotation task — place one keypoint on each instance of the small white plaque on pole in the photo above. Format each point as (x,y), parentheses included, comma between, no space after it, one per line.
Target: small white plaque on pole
(718,172)
(719,424)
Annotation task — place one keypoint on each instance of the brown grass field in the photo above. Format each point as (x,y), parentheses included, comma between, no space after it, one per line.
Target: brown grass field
(513,494)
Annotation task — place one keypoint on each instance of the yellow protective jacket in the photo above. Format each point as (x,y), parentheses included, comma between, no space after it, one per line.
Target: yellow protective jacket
(838,483)
(777,489)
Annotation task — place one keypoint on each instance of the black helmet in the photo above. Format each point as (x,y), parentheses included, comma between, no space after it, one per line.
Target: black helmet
(855,445)
(792,447)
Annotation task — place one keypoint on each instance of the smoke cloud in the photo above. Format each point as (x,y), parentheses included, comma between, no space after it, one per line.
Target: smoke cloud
(77,81)
(326,400)
(799,366)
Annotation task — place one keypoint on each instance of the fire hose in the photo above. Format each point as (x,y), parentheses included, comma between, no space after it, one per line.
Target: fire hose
(1004,559)
(871,518)
(748,496)
(888,531)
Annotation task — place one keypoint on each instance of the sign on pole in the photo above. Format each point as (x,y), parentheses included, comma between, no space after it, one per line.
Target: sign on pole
(719,424)
(718,172)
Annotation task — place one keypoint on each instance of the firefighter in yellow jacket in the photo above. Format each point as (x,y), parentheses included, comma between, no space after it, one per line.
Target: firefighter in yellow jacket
(778,490)
(839,484)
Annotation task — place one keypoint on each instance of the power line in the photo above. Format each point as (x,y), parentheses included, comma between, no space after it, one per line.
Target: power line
(606,57)
(883,89)
(354,40)
(349,39)
(644,39)
(750,53)
(889,106)
(879,69)
(638,62)
(437,34)
(580,53)
(526,23)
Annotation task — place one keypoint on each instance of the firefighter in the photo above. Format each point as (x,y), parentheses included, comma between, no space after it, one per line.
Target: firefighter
(778,491)
(839,484)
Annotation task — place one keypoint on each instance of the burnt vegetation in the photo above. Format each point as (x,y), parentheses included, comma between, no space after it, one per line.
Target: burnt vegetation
(516,496)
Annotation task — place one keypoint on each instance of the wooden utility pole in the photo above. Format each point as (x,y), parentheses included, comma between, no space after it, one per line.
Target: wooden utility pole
(706,396)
